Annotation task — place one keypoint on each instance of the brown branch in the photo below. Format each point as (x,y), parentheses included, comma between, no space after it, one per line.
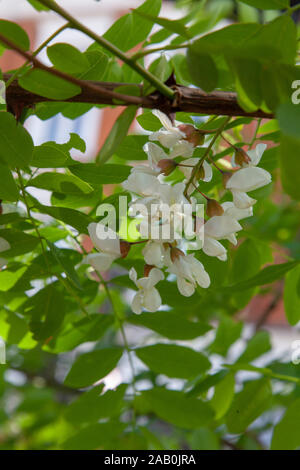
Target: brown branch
(191,100)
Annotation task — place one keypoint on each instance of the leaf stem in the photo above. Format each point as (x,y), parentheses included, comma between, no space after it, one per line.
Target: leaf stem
(168,47)
(158,84)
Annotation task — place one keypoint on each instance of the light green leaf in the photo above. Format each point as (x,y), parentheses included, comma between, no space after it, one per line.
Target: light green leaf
(267,4)
(104,174)
(92,366)
(16,144)
(61,183)
(172,360)
(286,434)
(292,295)
(223,396)
(48,85)
(258,345)
(117,134)
(15,34)
(81,331)
(67,58)
(50,155)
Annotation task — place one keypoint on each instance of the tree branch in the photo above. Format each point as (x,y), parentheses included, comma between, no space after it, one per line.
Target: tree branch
(190,100)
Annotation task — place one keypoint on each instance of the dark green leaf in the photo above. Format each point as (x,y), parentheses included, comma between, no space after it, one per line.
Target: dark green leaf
(67,58)
(16,144)
(104,174)
(15,34)
(92,366)
(48,85)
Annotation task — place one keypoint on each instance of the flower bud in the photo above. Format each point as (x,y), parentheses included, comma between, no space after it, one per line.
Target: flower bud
(124,248)
(241,157)
(192,135)
(147,269)
(175,254)
(167,166)
(214,208)
(226,177)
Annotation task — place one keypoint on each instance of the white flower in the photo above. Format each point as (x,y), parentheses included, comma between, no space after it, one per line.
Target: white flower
(189,272)
(171,137)
(155,153)
(142,182)
(248,178)
(187,171)
(4,245)
(219,228)
(148,296)
(109,247)
(153,253)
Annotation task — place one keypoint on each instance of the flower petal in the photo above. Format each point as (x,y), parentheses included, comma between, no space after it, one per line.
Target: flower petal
(248,179)
(219,227)
(212,247)
(100,261)
(241,200)
(111,244)
(136,303)
(185,288)
(152,300)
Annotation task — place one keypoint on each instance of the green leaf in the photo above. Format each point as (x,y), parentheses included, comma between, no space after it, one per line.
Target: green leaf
(117,134)
(50,155)
(9,278)
(15,34)
(8,187)
(178,409)
(132,147)
(175,26)
(223,396)
(173,361)
(20,242)
(149,122)
(16,144)
(48,85)
(72,217)
(265,276)
(267,4)
(131,29)
(170,325)
(97,65)
(104,174)
(46,310)
(202,69)
(292,296)
(63,259)
(81,331)
(67,58)
(248,405)
(92,366)
(37,5)
(95,436)
(92,406)
(286,433)
(258,345)
(61,183)
(228,332)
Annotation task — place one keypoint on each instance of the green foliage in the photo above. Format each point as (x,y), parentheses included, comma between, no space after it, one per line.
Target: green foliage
(193,374)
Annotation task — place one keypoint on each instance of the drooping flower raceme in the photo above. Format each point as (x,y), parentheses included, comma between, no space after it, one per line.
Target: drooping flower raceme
(162,206)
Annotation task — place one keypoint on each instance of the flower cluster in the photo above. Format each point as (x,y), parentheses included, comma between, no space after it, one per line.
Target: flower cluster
(168,251)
